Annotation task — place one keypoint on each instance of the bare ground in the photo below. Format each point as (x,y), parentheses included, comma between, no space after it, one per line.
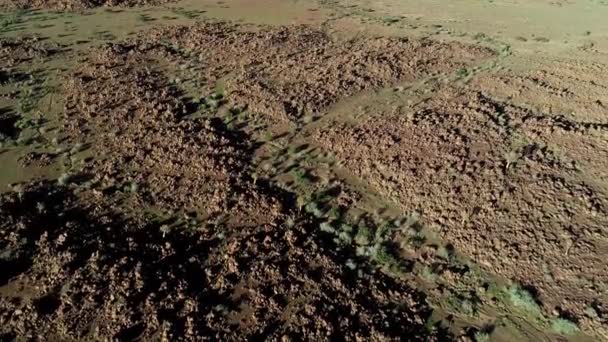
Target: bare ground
(496,180)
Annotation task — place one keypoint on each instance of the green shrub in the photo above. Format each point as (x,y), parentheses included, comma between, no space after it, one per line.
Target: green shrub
(523,299)
(313,208)
(384,256)
(364,236)
(564,326)
(482,336)
(327,227)
(345,237)
(64,179)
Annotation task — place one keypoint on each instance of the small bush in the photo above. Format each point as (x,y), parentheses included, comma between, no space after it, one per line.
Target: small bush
(313,208)
(301,177)
(64,179)
(482,336)
(327,227)
(384,256)
(523,299)
(427,273)
(443,253)
(417,240)
(345,237)
(364,236)
(462,73)
(564,326)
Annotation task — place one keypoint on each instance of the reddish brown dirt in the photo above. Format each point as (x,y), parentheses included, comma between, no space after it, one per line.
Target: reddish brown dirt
(75,269)
(286,73)
(86,262)
(135,124)
(507,186)
(164,234)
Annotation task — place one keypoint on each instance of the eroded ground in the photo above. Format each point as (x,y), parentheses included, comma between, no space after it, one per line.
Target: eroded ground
(205,178)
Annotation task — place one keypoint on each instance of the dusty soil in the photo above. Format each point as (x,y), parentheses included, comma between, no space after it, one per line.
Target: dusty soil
(119,105)
(287,73)
(89,260)
(506,185)
(166,225)
(566,86)
(76,4)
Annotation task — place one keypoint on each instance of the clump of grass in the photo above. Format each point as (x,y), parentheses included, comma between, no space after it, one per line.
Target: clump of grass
(290,222)
(465,303)
(480,36)
(344,238)
(313,208)
(481,336)
(443,253)
(24,123)
(591,312)
(523,299)
(268,136)
(327,227)
(417,240)
(301,202)
(428,274)
(462,73)
(144,18)
(333,213)
(300,177)
(76,148)
(133,187)
(383,232)
(382,253)
(216,96)
(364,236)
(64,179)
(165,229)
(564,326)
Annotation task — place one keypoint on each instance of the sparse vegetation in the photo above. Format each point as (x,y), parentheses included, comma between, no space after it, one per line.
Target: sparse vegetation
(275,167)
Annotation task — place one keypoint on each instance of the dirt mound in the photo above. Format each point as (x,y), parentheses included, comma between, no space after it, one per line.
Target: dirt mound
(138,123)
(95,259)
(76,4)
(507,186)
(287,73)
(74,269)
